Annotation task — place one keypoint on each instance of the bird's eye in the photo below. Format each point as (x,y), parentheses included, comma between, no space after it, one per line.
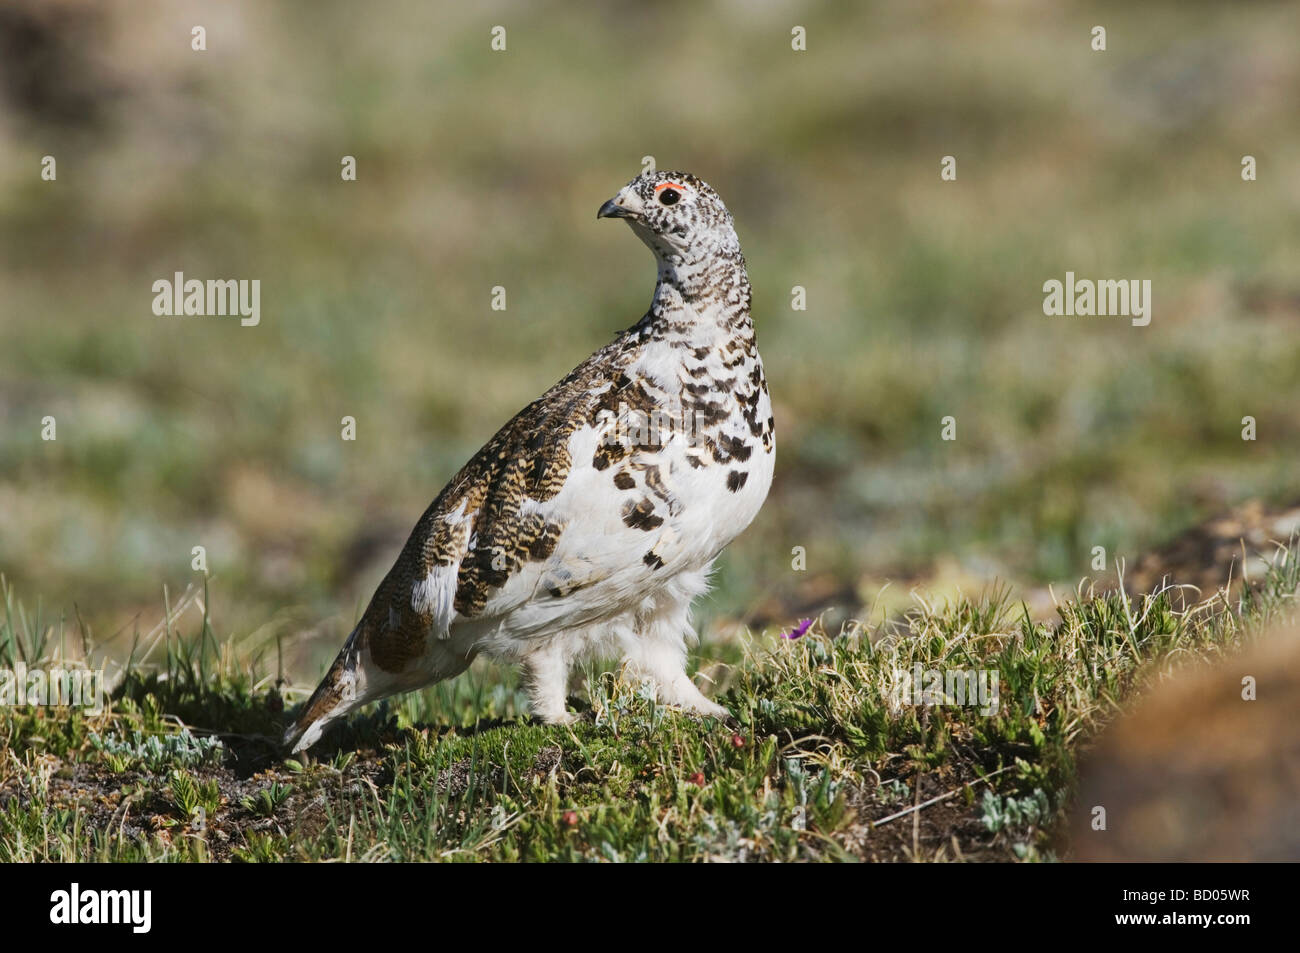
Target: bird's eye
(669,196)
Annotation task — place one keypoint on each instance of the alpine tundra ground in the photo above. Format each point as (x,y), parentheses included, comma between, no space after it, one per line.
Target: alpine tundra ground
(823,761)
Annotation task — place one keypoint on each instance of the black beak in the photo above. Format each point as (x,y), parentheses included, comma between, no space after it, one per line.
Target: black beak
(612,209)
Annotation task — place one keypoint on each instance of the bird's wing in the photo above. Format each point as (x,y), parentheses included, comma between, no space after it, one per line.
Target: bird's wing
(560,515)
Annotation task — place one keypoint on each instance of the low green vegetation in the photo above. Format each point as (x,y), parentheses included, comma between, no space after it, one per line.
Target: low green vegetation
(825,758)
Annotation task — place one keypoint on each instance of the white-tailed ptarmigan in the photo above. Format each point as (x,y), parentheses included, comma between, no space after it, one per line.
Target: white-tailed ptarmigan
(587,525)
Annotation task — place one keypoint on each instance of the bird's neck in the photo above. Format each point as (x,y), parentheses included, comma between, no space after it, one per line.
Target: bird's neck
(702,299)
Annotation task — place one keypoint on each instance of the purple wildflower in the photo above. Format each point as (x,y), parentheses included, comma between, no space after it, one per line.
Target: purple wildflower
(799,630)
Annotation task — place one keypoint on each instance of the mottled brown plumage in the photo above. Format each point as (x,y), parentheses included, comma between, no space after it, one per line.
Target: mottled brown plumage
(590,520)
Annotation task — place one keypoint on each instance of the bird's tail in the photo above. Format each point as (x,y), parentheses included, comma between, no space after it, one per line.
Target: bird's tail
(336,695)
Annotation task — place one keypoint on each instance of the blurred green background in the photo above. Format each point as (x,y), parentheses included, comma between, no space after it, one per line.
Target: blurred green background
(478,169)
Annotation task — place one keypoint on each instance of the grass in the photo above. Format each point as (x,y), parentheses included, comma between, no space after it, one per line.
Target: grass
(824,760)
(478,169)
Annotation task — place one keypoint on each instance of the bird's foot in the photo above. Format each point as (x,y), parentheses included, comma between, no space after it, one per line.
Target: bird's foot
(680,692)
(711,710)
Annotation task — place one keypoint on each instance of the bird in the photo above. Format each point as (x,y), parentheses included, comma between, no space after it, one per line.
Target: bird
(587,525)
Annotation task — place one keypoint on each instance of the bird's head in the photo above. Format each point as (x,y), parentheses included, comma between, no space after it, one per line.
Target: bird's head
(681,218)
